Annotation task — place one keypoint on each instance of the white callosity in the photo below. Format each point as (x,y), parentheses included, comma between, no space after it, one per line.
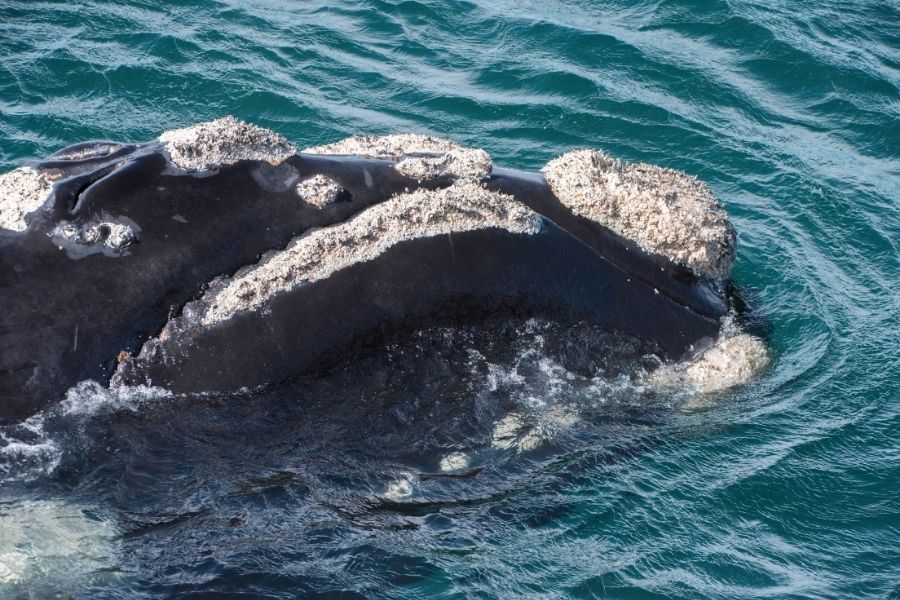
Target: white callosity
(401,488)
(464,206)
(224,141)
(318,191)
(420,157)
(22,191)
(664,211)
(516,430)
(455,461)
(735,358)
(507,431)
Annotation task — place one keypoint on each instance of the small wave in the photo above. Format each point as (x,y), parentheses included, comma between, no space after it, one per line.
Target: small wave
(90,398)
(35,447)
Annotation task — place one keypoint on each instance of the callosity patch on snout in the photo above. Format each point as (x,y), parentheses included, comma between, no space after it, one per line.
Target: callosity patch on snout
(664,211)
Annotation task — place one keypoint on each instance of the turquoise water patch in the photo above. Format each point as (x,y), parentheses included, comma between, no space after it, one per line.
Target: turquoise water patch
(787,487)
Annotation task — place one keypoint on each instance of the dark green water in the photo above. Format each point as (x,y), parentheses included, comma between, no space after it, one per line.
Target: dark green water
(786,488)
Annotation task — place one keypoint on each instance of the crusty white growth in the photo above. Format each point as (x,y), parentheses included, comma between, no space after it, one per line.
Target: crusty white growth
(464,206)
(401,488)
(665,211)
(735,358)
(516,431)
(455,461)
(22,191)
(729,362)
(120,236)
(318,190)
(386,146)
(224,141)
(467,163)
(507,431)
(411,151)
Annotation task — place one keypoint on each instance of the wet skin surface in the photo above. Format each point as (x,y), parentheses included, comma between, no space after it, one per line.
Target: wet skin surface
(73,309)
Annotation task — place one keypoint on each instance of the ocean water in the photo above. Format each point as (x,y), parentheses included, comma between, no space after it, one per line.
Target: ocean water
(518,459)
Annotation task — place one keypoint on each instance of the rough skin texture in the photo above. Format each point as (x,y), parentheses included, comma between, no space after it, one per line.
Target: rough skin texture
(22,191)
(224,141)
(732,360)
(318,191)
(735,358)
(665,211)
(464,206)
(420,157)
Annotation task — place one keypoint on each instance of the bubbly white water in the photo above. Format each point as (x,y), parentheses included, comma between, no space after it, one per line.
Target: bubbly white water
(29,451)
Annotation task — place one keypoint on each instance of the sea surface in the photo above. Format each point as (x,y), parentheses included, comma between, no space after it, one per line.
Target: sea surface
(518,459)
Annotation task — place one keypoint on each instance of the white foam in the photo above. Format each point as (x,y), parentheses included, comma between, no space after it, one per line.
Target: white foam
(89,398)
(29,451)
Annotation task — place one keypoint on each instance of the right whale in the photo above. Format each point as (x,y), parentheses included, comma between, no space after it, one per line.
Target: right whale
(210,281)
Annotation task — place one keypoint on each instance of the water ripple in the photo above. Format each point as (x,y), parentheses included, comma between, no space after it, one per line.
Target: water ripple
(787,487)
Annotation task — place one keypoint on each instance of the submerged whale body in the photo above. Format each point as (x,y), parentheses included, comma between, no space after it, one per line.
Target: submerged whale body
(219,257)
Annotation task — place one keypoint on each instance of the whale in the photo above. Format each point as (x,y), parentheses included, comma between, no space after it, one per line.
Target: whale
(221,257)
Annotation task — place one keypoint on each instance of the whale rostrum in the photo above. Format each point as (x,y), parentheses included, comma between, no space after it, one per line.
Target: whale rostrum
(219,257)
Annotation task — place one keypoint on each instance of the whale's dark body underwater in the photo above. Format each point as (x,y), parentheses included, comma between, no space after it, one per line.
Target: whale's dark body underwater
(210,262)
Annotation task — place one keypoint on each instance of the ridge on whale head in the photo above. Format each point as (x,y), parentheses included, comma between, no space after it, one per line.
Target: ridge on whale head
(219,257)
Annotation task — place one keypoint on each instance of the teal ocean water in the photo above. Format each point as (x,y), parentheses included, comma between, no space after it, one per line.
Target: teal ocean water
(788,487)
